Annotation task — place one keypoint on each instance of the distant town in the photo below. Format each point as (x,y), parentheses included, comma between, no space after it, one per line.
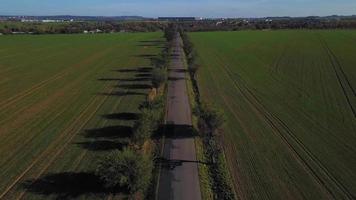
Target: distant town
(67,24)
(69,18)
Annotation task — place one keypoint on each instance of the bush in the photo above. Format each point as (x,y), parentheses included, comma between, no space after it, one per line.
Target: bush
(212,116)
(157,104)
(159,77)
(151,115)
(125,169)
(170,32)
(188,45)
(144,126)
(193,69)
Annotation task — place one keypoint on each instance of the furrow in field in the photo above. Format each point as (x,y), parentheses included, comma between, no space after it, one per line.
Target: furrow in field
(42,84)
(52,145)
(35,59)
(83,154)
(79,158)
(281,128)
(246,190)
(32,110)
(341,77)
(39,107)
(70,131)
(274,127)
(76,129)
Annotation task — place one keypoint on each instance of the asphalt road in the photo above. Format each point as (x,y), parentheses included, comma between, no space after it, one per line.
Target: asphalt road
(179,173)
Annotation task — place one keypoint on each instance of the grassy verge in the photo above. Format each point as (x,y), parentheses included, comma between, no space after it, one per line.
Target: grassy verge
(156,145)
(214,178)
(204,177)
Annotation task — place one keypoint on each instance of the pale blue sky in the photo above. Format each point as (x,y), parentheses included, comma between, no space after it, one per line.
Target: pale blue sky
(203,8)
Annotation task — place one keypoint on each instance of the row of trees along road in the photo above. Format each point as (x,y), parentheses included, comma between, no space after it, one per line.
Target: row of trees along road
(211,120)
(132,168)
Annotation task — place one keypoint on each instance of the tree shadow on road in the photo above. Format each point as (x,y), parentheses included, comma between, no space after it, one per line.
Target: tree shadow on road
(171,78)
(178,131)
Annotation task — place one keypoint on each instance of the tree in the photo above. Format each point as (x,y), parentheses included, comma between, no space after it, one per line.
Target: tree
(194,69)
(213,117)
(150,118)
(170,31)
(125,169)
(144,126)
(159,76)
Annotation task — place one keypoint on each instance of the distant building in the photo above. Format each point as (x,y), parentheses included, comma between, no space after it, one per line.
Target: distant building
(178,19)
(30,20)
(51,21)
(18,33)
(93,31)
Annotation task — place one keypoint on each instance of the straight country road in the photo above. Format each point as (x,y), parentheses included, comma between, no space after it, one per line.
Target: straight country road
(179,177)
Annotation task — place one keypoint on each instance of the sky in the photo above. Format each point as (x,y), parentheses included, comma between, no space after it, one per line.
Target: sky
(195,8)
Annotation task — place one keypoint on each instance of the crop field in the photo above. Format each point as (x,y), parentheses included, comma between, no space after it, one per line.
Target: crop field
(65,101)
(290,103)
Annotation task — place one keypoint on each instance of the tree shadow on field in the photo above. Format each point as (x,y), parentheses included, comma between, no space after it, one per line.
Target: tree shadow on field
(121,94)
(137,70)
(122,116)
(107,138)
(144,75)
(104,145)
(147,56)
(125,79)
(66,185)
(152,43)
(110,132)
(141,74)
(157,42)
(134,86)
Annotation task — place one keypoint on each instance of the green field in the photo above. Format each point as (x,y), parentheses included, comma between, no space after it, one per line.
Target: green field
(290,103)
(65,101)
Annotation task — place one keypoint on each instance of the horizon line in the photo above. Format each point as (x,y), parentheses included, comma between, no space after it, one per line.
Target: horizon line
(111,16)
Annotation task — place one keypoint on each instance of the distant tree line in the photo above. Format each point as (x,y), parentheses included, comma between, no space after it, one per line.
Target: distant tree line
(263,24)
(8,27)
(132,168)
(80,27)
